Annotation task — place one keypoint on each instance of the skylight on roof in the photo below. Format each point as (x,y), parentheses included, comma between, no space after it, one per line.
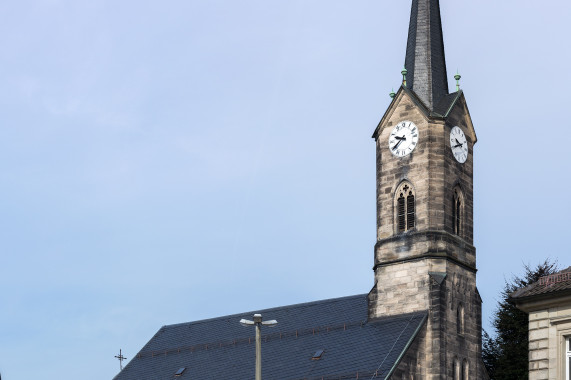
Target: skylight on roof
(317,355)
(180,371)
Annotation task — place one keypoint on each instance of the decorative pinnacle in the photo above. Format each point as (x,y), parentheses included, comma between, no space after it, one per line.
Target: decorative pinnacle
(392,94)
(457,77)
(404,72)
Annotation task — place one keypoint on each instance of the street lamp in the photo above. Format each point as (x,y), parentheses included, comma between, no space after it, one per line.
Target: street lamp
(258,323)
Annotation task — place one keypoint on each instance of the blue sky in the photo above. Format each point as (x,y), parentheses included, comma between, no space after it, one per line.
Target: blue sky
(163,162)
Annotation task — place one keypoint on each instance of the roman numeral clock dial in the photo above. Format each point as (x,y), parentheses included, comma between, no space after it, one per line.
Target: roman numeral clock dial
(459,145)
(403,139)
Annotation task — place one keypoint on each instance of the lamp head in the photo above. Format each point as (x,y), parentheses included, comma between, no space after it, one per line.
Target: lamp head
(246,323)
(271,323)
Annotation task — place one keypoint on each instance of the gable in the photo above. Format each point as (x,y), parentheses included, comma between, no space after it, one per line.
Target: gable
(404,99)
(457,111)
(221,348)
(450,105)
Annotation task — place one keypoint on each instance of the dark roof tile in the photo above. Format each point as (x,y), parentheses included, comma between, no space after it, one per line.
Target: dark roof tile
(548,285)
(221,348)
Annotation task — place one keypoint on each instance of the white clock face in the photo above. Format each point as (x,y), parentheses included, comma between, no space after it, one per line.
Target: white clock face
(459,145)
(403,138)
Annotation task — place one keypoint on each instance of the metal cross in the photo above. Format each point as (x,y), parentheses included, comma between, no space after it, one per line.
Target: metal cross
(121,358)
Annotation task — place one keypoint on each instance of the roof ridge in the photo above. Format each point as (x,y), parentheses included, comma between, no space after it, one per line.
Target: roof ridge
(301,304)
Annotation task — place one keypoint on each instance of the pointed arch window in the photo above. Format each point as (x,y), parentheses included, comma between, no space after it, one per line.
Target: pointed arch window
(457,207)
(406,207)
(456,369)
(465,370)
(460,319)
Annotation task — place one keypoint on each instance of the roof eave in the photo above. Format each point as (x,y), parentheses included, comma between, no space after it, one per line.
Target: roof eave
(540,301)
(407,346)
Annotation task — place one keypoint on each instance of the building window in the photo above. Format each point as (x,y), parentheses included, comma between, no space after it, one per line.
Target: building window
(465,370)
(460,319)
(406,208)
(568,358)
(457,205)
(456,369)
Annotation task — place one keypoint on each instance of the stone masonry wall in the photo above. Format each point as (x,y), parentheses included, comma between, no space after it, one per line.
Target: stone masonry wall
(430,168)
(430,267)
(441,292)
(548,329)
(410,365)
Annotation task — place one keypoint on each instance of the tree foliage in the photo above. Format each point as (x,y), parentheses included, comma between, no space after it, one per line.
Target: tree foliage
(505,354)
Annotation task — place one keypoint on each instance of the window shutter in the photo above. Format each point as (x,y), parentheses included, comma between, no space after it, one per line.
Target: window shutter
(410,217)
(401,214)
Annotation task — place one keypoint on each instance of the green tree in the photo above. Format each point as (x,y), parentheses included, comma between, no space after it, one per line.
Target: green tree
(505,354)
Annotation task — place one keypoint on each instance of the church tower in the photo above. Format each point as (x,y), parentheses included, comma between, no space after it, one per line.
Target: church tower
(425,259)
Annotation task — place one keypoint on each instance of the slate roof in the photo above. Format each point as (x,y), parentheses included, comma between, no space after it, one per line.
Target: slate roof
(425,60)
(554,284)
(445,104)
(221,348)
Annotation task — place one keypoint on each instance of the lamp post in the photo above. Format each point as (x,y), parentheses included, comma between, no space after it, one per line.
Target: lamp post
(257,322)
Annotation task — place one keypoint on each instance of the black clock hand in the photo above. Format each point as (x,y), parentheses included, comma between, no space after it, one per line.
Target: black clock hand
(401,139)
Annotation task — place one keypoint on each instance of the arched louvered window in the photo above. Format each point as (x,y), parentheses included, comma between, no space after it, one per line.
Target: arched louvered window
(405,208)
(457,206)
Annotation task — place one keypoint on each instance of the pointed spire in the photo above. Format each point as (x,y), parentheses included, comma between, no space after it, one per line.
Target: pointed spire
(425,61)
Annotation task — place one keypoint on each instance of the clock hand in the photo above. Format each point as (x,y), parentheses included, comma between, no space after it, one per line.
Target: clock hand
(400,140)
(457,145)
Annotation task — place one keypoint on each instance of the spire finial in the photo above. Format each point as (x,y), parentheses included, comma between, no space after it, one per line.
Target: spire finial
(404,72)
(457,77)
(392,94)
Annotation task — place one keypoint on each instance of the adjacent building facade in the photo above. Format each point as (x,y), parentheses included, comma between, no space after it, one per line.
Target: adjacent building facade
(422,319)
(548,303)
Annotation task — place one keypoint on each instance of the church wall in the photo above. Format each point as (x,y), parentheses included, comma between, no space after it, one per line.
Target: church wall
(441,291)
(460,290)
(391,171)
(433,173)
(399,289)
(460,174)
(409,368)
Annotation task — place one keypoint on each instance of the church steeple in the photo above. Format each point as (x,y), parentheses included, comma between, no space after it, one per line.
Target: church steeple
(425,61)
